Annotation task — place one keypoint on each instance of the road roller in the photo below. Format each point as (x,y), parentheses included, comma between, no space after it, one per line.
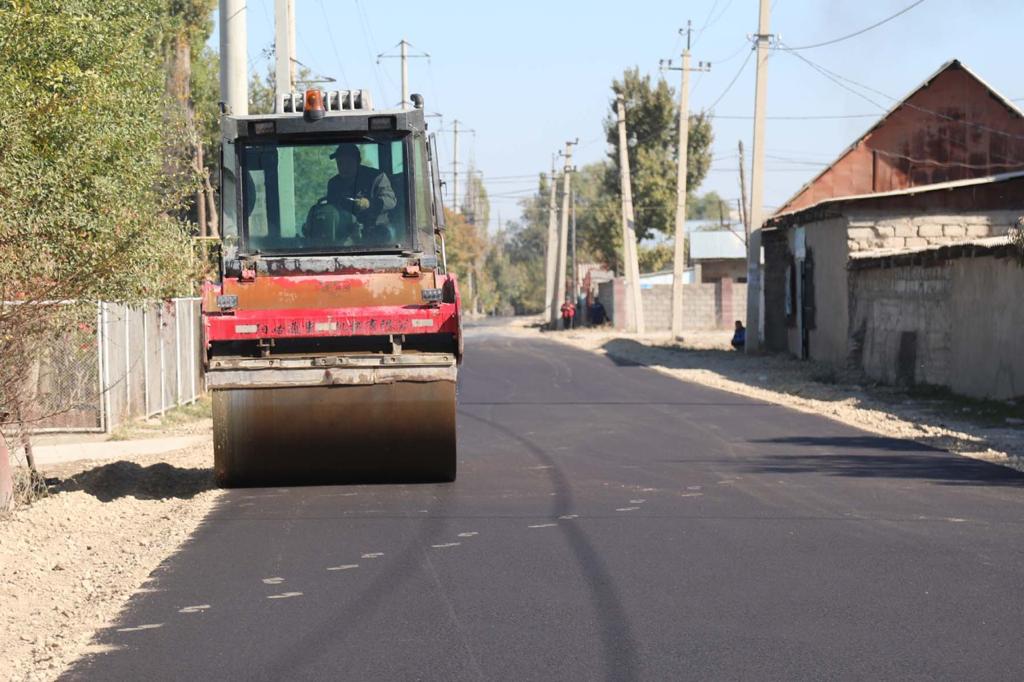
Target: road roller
(333,336)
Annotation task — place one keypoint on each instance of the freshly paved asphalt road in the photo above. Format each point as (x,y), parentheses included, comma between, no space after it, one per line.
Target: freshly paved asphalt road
(608,523)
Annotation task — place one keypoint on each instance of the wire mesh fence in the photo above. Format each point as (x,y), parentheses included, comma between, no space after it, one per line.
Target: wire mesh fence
(117,363)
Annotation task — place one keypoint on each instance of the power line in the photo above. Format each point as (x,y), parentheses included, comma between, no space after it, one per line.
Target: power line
(363,25)
(334,46)
(861,31)
(822,117)
(836,78)
(732,82)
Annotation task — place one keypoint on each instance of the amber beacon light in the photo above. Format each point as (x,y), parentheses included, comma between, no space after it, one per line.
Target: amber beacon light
(313,109)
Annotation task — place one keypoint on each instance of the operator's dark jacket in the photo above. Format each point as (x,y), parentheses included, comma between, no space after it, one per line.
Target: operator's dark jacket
(368,183)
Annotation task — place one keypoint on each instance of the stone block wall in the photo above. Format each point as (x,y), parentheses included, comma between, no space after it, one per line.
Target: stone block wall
(954,323)
(900,323)
(705,306)
(873,232)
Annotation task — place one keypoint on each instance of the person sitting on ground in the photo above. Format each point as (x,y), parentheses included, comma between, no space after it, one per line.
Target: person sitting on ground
(598,315)
(739,337)
(362,191)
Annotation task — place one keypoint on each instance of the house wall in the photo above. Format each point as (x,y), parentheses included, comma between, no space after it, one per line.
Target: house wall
(714,270)
(827,245)
(826,242)
(955,324)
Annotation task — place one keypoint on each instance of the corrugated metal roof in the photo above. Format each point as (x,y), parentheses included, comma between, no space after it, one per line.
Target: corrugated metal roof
(1005,101)
(717,244)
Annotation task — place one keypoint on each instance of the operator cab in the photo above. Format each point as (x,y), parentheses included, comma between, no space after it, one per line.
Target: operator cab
(337,180)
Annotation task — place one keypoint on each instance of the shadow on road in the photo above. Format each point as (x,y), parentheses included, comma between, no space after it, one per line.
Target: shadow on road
(112,481)
(879,457)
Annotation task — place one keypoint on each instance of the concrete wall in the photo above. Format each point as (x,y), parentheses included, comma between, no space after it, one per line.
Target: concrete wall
(827,247)
(714,270)
(955,323)
(705,306)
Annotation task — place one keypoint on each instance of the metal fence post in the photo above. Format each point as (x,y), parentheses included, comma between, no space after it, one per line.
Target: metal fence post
(177,351)
(99,364)
(160,344)
(192,314)
(108,420)
(127,362)
(145,358)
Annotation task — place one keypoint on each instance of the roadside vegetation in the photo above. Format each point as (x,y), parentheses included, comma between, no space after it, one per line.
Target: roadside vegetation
(101,171)
(503,273)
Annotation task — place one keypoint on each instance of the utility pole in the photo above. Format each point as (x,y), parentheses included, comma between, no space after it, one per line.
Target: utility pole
(575,263)
(284,51)
(455,166)
(744,214)
(234,77)
(634,303)
(755,293)
(563,237)
(679,253)
(551,256)
(403,54)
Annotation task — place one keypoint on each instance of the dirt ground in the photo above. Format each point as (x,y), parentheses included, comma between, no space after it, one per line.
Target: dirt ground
(988,430)
(70,560)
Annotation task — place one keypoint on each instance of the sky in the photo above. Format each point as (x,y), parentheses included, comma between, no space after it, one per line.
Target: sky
(529,75)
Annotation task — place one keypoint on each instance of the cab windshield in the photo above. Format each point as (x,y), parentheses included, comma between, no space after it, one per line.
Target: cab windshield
(345,196)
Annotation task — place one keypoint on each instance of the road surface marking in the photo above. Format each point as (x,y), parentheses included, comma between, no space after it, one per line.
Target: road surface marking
(637,501)
(343,567)
(372,555)
(627,508)
(468,535)
(690,494)
(284,595)
(447,544)
(273,581)
(570,516)
(693,487)
(543,525)
(543,466)
(194,609)
(148,626)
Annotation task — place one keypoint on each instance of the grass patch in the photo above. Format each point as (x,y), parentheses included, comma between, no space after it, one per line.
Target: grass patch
(175,417)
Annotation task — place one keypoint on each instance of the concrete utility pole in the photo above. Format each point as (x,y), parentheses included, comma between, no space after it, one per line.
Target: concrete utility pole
(563,238)
(551,254)
(634,303)
(679,253)
(744,213)
(403,54)
(755,292)
(284,50)
(234,78)
(575,263)
(455,166)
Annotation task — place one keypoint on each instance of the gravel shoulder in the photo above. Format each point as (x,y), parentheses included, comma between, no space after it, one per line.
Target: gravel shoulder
(70,560)
(992,431)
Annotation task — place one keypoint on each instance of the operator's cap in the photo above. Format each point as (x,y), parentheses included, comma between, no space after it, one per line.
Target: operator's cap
(346,149)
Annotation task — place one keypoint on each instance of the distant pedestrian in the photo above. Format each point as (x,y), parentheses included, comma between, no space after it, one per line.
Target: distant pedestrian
(739,337)
(598,315)
(568,314)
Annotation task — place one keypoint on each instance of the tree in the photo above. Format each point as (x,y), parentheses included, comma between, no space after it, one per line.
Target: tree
(88,210)
(652,127)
